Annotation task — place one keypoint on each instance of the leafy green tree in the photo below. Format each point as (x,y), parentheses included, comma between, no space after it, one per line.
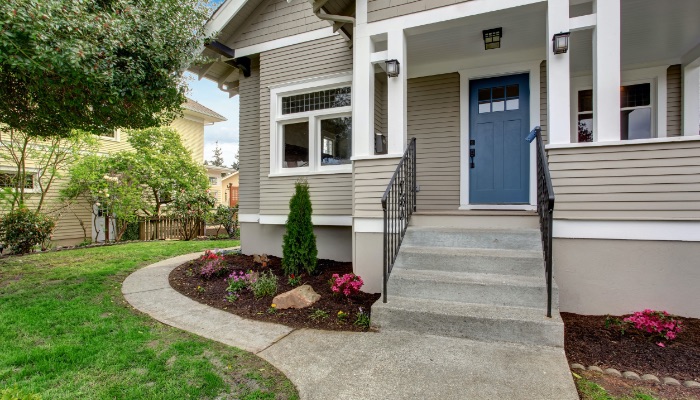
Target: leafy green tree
(96,65)
(164,166)
(192,209)
(218,160)
(236,163)
(299,243)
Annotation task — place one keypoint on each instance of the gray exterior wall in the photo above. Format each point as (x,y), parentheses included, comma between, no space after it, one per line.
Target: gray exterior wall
(249,139)
(616,277)
(330,194)
(378,10)
(652,181)
(434,120)
(275,19)
(674,97)
(543,101)
(370,179)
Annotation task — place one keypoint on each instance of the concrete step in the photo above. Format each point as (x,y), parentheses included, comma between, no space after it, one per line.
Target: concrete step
(477,219)
(473,321)
(469,287)
(509,239)
(493,261)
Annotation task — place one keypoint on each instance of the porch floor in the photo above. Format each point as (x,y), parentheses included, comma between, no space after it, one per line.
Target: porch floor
(345,365)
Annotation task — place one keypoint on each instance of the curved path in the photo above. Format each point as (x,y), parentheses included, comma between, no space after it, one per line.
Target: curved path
(345,365)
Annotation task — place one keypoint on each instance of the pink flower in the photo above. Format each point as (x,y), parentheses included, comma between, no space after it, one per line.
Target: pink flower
(660,344)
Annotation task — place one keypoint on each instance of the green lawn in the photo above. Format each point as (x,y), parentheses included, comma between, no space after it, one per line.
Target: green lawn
(66,332)
(590,390)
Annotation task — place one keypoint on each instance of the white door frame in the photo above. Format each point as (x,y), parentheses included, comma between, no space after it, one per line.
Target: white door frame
(465,75)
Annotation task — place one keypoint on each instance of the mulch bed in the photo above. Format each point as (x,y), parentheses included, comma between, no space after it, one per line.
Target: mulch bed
(625,389)
(212,292)
(589,342)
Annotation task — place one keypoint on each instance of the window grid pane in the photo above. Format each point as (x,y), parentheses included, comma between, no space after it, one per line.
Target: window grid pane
(336,139)
(321,100)
(635,95)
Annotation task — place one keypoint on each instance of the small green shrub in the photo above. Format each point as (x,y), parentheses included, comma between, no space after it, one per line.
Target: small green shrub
(228,218)
(265,285)
(131,232)
(17,394)
(318,314)
(85,242)
(22,229)
(362,319)
(299,246)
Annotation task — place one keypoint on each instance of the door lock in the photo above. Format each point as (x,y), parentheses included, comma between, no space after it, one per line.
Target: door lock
(472,154)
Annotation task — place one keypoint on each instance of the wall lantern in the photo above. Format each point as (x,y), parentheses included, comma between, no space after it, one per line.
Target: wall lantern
(392,68)
(560,43)
(492,38)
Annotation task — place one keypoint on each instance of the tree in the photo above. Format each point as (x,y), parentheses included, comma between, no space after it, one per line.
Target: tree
(164,166)
(96,65)
(235,165)
(299,242)
(38,163)
(218,160)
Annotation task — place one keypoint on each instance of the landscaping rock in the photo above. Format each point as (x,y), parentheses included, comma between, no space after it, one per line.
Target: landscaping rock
(595,369)
(300,297)
(578,366)
(631,375)
(671,382)
(692,384)
(613,372)
(650,378)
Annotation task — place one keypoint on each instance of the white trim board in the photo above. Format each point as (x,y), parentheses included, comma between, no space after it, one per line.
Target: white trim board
(317,220)
(286,41)
(685,231)
(368,225)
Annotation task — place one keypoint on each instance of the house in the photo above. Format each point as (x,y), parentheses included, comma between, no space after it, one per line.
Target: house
(217,187)
(76,222)
(335,91)
(229,187)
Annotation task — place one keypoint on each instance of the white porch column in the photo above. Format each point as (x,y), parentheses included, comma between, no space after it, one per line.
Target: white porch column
(558,79)
(691,98)
(397,92)
(606,71)
(362,98)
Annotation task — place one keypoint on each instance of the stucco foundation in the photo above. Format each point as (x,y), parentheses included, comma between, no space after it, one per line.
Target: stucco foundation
(369,252)
(599,277)
(333,242)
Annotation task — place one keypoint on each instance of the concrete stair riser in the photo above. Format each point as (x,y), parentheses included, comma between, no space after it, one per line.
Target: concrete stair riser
(476,221)
(474,239)
(532,329)
(470,288)
(514,262)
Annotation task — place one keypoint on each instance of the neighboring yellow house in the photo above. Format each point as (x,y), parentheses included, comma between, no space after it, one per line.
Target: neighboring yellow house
(75,221)
(217,175)
(229,187)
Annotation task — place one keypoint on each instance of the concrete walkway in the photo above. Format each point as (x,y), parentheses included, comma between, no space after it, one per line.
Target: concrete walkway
(344,365)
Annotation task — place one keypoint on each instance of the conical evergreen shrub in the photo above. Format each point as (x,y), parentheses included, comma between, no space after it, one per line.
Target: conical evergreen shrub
(299,246)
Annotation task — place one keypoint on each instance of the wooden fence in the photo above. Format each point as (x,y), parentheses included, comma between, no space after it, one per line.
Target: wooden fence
(161,228)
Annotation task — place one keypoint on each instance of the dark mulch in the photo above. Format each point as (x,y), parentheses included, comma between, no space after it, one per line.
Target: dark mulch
(212,292)
(589,342)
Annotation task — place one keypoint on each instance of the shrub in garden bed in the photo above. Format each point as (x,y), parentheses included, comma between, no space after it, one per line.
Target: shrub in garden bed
(250,282)
(22,229)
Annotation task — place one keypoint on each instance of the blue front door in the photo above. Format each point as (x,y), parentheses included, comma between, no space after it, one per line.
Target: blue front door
(499,156)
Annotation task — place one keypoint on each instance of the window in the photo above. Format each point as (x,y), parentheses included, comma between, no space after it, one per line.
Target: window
(311,128)
(635,113)
(499,98)
(212,180)
(9,180)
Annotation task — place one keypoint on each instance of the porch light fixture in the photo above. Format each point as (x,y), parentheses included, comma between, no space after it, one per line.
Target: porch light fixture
(492,38)
(392,68)
(560,43)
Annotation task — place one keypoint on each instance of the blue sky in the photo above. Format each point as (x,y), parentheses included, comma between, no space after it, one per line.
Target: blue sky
(226,133)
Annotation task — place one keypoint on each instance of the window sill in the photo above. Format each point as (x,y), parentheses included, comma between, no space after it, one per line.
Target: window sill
(625,142)
(308,173)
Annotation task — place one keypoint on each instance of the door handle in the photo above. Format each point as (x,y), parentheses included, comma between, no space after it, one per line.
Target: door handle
(472,154)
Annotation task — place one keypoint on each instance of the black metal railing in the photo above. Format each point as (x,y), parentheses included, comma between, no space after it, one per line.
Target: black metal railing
(545,209)
(398,203)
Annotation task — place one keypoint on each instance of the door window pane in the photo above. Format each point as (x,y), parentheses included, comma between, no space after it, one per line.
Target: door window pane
(513,97)
(585,128)
(499,95)
(296,145)
(635,124)
(484,100)
(336,141)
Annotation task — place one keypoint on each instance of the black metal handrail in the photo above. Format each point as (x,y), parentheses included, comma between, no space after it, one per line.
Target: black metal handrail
(398,203)
(545,209)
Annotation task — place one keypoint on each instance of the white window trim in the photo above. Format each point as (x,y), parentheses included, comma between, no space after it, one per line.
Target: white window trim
(277,121)
(34,172)
(116,138)
(655,76)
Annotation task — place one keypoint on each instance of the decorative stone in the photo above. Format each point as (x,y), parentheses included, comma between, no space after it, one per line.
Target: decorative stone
(650,378)
(595,369)
(300,297)
(692,384)
(671,382)
(613,372)
(578,366)
(631,375)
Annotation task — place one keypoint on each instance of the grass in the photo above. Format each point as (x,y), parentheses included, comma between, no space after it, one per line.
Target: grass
(590,390)
(67,333)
